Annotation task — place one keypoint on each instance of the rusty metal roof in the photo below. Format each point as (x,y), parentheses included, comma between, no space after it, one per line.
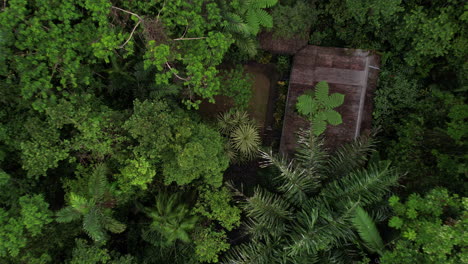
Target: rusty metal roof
(352,72)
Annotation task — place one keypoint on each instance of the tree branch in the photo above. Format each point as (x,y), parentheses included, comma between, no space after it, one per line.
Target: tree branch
(134,28)
(160,10)
(190,38)
(175,74)
(128,12)
(131,34)
(185,32)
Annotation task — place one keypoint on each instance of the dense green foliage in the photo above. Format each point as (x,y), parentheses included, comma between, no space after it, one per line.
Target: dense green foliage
(91,126)
(104,158)
(433,229)
(293,20)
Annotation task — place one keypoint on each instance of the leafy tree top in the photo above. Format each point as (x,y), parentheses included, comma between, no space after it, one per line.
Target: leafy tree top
(169,137)
(433,228)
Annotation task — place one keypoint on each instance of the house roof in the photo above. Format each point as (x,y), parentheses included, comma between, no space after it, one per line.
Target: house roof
(352,72)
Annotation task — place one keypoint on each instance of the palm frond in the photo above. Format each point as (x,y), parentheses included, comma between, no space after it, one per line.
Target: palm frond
(350,156)
(161,91)
(262,3)
(268,209)
(80,203)
(253,22)
(225,123)
(367,186)
(311,154)
(259,230)
(294,183)
(67,214)
(255,252)
(319,229)
(345,254)
(229,121)
(153,237)
(231,153)
(98,181)
(264,19)
(381,211)
(248,45)
(171,218)
(235,24)
(92,225)
(367,230)
(112,224)
(246,140)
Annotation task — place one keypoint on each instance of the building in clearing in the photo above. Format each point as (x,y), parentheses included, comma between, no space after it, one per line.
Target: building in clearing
(352,72)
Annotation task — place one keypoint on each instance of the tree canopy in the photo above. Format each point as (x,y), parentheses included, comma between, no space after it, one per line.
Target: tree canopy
(106,158)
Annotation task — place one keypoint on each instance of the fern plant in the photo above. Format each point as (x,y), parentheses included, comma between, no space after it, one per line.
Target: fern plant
(241,132)
(246,20)
(95,208)
(314,213)
(318,106)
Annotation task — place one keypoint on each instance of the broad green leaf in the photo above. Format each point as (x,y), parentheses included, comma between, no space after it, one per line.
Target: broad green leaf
(67,214)
(333,117)
(264,18)
(79,203)
(334,100)
(112,225)
(92,225)
(321,116)
(318,126)
(98,181)
(321,91)
(252,21)
(305,105)
(263,3)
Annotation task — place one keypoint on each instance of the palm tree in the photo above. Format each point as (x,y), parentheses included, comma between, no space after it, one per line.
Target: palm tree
(243,139)
(171,218)
(95,207)
(314,211)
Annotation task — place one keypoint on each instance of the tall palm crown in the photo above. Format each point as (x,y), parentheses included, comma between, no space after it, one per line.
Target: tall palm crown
(314,211)
(95,207)
(171,218)
(242,133)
